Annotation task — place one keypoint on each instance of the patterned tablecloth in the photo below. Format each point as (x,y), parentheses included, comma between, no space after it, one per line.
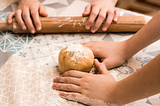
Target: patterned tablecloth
(29,61)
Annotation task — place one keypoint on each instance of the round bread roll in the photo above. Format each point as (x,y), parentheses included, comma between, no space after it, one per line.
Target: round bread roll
(76,57)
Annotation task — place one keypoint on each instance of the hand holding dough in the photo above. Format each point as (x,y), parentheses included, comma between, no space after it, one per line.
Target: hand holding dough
(76,57)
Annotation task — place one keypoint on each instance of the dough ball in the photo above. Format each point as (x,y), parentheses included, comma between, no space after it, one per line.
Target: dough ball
(76,57)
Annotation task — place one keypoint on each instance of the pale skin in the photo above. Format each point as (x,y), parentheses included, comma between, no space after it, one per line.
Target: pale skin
(143,83)
(29,10)
(25,10)
(100,9)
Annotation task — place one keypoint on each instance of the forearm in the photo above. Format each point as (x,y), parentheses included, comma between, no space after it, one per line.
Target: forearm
(143,83)
(147,35)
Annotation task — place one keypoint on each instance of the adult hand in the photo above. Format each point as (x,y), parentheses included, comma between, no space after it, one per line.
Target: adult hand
(98,10)
(27,14)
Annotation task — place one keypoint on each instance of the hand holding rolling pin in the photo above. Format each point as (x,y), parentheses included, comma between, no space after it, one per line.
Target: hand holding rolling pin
(26,10)
(98,10)
(29,10)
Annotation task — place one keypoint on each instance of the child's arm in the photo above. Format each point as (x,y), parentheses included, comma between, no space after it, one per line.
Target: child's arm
(26,11)
(100,9)
(115,53)
(143,83)
(87,88)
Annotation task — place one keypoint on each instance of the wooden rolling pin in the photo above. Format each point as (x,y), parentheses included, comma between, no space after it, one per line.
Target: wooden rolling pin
(77,24)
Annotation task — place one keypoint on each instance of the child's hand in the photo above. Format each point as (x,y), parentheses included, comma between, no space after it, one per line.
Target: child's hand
(26,11)
(112,54)
(100,9)
(86,87)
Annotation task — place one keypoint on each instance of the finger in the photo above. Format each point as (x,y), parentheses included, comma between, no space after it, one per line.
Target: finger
(111,63)
(100,67)
(87,10)
(18,16)
(66,87)
(77,97)
(92,17)
(94,49)
(67,80)
(116,15)
(28,21)
(99,21)
(108,21)
(88,44)
(35,17)
(10,16)
(74,73)
(42,11)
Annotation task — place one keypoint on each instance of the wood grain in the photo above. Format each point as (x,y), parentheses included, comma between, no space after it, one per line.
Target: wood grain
(77,24)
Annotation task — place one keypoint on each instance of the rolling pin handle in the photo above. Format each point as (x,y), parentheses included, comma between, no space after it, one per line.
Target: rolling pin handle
(5,26)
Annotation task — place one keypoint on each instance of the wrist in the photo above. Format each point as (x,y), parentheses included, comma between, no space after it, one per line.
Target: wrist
(124,50)
(129,49)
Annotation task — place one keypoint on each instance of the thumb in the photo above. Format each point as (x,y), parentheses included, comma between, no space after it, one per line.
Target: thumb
(42,11)
(112,62)
(100,67)
(108,63)
(87,10)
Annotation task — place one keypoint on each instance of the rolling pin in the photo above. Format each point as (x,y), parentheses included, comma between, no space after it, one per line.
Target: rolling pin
(77,24)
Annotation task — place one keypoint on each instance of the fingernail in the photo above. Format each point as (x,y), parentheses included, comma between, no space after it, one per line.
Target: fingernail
(32,31)
(54,80)
(24,27)
(54,85)
(93,30)
(115,19)
(9,21)
(61,94)
(38,28)
(87,27)
(104,29)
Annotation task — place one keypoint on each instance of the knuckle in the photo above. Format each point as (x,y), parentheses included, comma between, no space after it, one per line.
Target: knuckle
(68,87)
(24,7)
(25,15)
(85,77)
(70,72)
(33,13)
(94,13)
(94,4)
(110,12)
(67,80)
(102,16)
(17,12)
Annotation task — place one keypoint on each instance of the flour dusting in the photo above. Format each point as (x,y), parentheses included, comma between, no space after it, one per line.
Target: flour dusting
(88,101)
(77,51)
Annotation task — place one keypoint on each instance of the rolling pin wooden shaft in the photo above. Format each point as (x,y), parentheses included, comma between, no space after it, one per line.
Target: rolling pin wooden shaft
(77,24)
